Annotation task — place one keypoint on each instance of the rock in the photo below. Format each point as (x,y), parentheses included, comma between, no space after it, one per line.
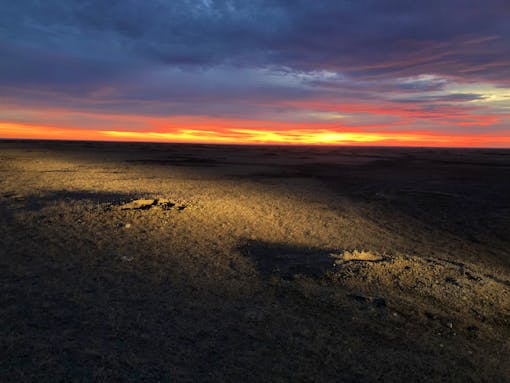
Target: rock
(359,298)
(374,301)
(145,204)
(139,204)
(127,225)
(254,316)
(379,302)
(356,255)
(452,281)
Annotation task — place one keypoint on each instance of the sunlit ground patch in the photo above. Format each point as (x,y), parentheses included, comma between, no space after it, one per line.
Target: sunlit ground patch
(456,294)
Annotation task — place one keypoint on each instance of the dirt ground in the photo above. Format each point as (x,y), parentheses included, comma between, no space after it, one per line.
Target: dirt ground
(201,263)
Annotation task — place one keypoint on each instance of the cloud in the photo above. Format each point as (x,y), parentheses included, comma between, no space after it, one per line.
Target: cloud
(452,97)
(361,38)
(396,61)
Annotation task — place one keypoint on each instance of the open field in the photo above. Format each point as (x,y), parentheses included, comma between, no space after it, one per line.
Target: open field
(158,262)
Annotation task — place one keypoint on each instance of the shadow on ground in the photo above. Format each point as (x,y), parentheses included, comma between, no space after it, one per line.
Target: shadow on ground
(72,311)
(288,261)
(35,202)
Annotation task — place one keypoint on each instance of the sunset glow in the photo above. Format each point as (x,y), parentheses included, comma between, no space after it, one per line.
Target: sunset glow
(252,136)
(65,74)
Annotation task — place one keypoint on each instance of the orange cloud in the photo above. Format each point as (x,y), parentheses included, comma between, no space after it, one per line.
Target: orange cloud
(228,133)
(440,115)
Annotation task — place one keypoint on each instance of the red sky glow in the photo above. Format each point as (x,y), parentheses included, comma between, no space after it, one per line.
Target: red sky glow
(206,73)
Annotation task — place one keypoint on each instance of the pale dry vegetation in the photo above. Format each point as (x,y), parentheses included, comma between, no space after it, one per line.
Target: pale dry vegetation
(203,263)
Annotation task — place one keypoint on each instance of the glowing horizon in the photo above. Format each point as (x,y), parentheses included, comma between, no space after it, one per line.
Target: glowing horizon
(256,137)
(142,71)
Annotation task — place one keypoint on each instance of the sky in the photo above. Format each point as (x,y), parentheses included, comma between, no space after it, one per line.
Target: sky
(343,72)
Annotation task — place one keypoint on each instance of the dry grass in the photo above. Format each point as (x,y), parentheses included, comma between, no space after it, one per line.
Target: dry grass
(202,263)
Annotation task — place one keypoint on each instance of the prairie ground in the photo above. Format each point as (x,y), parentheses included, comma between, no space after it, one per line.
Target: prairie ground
(161,262)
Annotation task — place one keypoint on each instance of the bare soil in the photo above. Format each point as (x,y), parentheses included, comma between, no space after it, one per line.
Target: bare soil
(163,262)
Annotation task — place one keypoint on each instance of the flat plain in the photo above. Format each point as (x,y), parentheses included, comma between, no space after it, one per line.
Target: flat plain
(170,262)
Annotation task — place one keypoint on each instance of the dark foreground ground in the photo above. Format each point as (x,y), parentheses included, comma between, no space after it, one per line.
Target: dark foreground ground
(152,262)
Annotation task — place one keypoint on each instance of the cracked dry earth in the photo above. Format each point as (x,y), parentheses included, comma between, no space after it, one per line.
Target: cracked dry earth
(154,262)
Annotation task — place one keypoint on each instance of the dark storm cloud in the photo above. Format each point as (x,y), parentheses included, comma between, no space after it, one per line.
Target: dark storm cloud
(79,47)
(306,34)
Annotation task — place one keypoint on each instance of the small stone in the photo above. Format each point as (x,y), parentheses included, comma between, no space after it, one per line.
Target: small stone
(254,316)
(449,325)
(126,258)
(379,302)
(127,225)
(139,204)
(359,256)
(451,280)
